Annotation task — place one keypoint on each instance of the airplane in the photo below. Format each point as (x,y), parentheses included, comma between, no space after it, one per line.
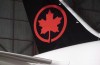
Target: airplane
(80,54)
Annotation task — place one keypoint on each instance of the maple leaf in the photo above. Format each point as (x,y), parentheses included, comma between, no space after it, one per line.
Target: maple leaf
(50,24)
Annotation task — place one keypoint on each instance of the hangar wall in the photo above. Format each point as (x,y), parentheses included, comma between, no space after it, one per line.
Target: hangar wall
(15,31)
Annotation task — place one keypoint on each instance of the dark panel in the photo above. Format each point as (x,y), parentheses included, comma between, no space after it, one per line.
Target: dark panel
(85,4)
(6,45)
(22,30)
(6,28)
(91,17)
(20,13)
(23,47)
(6,9)
(97,5)
(89,10)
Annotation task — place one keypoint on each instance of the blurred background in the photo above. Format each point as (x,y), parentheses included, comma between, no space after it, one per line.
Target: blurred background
(15,31)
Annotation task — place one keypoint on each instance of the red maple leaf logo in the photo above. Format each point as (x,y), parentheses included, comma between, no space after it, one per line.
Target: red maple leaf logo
(50,24)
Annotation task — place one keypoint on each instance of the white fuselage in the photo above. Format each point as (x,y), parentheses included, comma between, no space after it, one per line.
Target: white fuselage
(81,54)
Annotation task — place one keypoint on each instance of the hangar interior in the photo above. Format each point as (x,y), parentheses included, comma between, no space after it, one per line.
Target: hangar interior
(15,31)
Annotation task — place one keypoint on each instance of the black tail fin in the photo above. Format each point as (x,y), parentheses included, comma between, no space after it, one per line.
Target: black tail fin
(54,26)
